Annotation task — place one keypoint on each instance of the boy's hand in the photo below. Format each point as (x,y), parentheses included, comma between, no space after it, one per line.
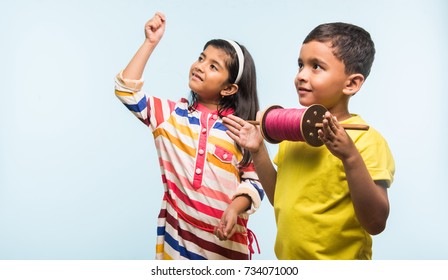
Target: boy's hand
(155,27)
(243,133)
(335,138)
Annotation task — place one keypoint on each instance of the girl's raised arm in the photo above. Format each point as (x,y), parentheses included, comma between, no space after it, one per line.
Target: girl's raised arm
(154,30)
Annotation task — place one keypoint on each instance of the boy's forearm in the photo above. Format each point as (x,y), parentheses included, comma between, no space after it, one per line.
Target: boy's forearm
(369,199)
(265,171)
(134,70)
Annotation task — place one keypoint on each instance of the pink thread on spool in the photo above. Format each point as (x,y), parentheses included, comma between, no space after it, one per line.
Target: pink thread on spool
(284,124)
(280,124)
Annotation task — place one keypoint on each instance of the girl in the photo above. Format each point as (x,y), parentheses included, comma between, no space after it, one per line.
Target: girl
(210,183)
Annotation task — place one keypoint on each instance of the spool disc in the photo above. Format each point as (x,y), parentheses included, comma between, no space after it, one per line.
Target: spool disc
(312,115)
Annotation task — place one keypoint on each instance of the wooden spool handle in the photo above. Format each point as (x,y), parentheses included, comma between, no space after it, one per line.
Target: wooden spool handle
(320,125)
(347,126)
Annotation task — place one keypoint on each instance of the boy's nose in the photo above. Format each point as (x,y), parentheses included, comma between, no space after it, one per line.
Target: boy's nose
(301,76)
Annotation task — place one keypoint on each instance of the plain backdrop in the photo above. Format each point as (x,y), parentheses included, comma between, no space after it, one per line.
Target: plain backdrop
(79,175)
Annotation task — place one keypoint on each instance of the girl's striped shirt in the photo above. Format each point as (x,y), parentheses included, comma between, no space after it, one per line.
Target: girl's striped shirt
(200,175)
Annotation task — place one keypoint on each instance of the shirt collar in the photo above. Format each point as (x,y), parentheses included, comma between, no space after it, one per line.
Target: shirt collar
(202,108)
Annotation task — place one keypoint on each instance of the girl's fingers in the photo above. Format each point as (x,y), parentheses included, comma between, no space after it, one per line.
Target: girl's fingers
(231,232)
(160,15)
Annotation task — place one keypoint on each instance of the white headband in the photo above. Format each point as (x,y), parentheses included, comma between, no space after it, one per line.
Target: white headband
(239,53)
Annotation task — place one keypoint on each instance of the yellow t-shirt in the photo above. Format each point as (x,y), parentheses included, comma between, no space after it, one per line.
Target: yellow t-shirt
(313,209)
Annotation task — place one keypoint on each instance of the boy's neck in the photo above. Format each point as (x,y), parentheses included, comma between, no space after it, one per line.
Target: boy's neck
(340,112)
(340,109)
(341,116)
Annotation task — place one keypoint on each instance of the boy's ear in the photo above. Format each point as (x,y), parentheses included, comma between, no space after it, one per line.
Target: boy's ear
(229,90)
(353,84)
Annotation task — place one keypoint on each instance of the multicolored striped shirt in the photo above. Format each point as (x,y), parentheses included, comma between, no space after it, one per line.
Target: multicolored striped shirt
(200,175)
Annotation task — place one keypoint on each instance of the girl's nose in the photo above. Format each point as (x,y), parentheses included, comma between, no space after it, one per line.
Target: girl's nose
(199,66)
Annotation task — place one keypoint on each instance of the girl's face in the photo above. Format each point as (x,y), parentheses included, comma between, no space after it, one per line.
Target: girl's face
(321,76)
(209,75)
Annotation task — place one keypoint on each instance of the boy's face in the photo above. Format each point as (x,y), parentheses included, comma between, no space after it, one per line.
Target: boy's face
(321,76)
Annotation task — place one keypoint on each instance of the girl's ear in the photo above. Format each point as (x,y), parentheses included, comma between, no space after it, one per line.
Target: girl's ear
(229,90)
(353,84)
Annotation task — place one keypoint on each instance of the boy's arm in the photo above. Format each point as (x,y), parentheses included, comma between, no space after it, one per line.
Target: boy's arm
(249,137)
(266,171)
(154,30)
(369,198)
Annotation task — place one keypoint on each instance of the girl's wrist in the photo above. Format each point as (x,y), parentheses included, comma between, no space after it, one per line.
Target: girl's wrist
(244,203)
(150,42)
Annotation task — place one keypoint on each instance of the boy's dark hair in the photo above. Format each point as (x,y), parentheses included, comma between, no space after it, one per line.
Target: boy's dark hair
(245,102)
(351,44)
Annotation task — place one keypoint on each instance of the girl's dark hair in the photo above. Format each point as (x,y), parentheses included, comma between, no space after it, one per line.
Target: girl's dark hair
(245,101)
(351,44)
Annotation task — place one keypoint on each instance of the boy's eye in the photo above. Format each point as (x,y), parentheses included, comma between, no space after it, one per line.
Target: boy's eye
(300,65)
(200,58)
(316,66)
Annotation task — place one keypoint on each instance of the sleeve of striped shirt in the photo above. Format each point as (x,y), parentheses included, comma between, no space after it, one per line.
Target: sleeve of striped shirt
(130,94)
(251,186)
(152,111)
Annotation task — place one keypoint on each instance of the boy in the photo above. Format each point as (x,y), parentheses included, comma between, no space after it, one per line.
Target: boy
(328,200)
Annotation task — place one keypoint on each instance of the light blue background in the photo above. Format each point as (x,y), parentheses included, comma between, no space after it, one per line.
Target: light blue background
(79,175)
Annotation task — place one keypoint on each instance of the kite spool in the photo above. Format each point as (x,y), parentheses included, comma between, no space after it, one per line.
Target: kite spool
(278,124)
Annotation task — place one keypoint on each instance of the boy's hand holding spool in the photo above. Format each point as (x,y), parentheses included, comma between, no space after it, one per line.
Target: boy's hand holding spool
(309,125)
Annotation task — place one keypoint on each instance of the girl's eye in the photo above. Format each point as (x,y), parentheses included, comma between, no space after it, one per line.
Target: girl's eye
(316,67)
(213,67)
(300,65)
